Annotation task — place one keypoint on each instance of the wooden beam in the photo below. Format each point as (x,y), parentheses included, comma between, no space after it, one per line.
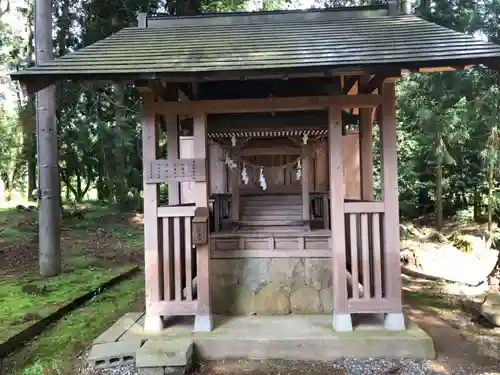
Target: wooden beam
(269,105)
(292,120)
(158,88)
(264,88)
(269,151)
(376,81)
(187,89)
(349,84)
(32,86)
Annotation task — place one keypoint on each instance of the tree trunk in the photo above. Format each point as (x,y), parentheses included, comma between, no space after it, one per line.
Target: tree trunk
(49,204)
(477,206)
(29,136)
(120,178)
(490,196)
(439,195)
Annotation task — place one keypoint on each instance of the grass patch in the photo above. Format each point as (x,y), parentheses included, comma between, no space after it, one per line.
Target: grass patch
(125,228)
(57,348)
(427,299)
(28,299)
(17,225)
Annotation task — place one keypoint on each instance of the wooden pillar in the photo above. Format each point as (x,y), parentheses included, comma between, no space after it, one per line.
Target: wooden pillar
(389,182)
(186,151)
(218,182)
(203,320)
(341,318)
(173,153)
(235,190)
(306,215)
(152,261)
(366,147)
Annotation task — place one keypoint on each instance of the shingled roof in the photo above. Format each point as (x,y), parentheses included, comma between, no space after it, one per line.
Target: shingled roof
(346,39)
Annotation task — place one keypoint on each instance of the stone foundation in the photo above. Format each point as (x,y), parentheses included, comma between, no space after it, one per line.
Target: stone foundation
(271,286)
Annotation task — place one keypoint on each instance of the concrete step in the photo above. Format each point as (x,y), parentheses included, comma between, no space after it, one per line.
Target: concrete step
(160,356)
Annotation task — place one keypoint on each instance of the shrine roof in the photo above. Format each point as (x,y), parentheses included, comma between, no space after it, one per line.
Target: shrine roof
(239,44)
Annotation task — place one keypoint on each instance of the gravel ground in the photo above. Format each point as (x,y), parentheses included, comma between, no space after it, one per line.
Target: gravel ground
(346,366)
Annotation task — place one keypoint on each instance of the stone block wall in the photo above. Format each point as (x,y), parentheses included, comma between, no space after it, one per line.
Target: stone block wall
(271,286)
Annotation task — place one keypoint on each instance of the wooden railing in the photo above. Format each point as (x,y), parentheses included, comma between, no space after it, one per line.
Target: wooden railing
(366,258)
(177,262)
(220,213)
(320,209)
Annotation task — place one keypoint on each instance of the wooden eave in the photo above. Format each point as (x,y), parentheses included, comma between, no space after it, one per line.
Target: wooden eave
(31,83)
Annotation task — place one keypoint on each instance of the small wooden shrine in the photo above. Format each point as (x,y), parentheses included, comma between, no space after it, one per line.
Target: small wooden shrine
(269,118)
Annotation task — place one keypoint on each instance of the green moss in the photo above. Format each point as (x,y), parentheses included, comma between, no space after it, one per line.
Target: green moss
(59,347)
(29,299)
(461,242)
(425,299)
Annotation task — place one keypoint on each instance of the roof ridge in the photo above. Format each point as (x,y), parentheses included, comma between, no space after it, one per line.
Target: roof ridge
(164,15)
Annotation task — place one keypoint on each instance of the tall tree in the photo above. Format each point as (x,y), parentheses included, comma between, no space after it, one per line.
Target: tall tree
(48,171)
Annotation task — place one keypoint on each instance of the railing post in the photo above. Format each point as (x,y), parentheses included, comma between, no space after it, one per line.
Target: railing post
(341,317)
(173,154)
(366,147)
(203,320)
(306,203)
(152,259)
(235,190)
(389,174)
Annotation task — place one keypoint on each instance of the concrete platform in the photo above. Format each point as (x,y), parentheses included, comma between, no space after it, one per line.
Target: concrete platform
(290,337)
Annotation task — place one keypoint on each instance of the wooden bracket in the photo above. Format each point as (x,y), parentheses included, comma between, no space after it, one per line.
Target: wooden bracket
(200,226)
(349,84)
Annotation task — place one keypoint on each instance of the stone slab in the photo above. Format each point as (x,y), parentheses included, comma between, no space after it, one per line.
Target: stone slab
(114,353)
(490,309)
(300,337)
(151,371)
(159,371)
(174,353)
(118,329)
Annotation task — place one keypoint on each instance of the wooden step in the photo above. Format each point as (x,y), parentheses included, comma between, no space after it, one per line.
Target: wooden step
(260,198)
(277,205)
(271,229)
(272,210)
(273,197)
(272,204)
(264,219)
(263,223)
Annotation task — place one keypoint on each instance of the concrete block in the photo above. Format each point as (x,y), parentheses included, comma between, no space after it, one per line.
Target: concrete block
(151,371)
(153,323)
(114,353)
(203,323)
(118,329)
(175,355)
(159,371)
(342,322)
(395,322)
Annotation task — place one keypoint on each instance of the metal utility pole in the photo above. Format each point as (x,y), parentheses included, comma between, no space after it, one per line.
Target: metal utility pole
(49,210)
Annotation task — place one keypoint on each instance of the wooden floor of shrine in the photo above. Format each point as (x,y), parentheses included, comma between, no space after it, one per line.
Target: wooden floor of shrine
(271,242)
(270,225)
